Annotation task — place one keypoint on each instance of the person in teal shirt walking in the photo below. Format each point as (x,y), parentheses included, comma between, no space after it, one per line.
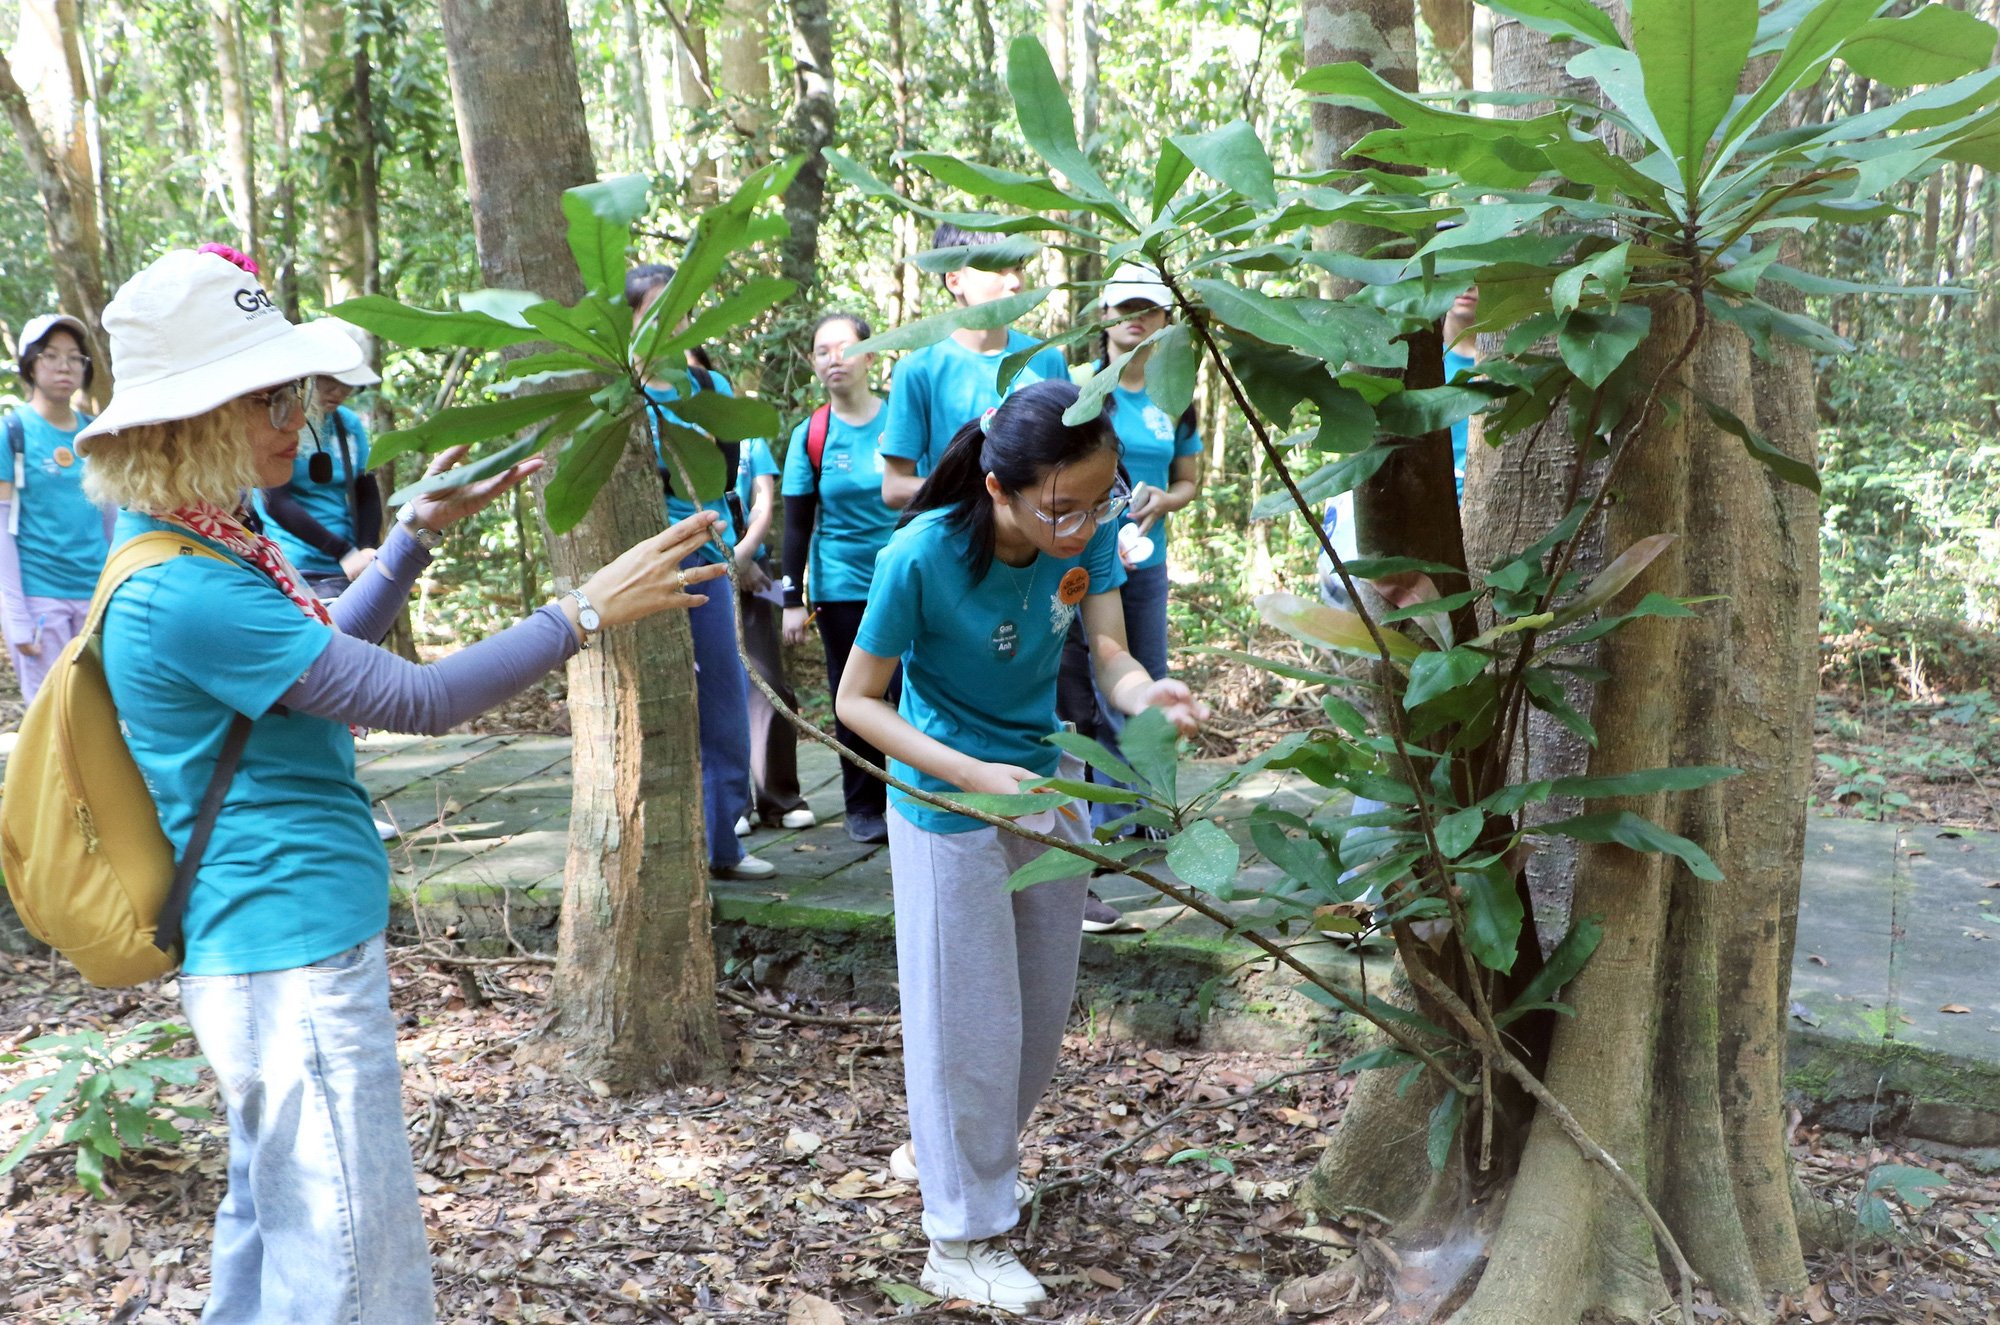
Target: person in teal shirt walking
(774,742)
(1011,537)
(942,387)
(53,539)
(835,523)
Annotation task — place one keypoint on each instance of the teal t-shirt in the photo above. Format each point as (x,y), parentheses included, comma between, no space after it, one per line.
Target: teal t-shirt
(1151,447)
(757,462)
(853,523)
(678,506)
(294,872)
(1457,368)
(327,503)
(979,660)
(943,387)
(61,543)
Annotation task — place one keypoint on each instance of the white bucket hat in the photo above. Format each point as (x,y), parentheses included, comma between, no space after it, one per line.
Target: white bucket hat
(193,331)
(334,331)
(1136,284)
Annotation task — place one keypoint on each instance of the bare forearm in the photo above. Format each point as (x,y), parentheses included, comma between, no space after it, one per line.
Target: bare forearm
(876,721)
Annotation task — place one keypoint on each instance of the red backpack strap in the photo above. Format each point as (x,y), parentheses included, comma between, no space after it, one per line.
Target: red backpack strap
(817,428)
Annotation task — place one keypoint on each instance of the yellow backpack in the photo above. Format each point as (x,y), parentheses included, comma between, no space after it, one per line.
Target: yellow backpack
(89,870)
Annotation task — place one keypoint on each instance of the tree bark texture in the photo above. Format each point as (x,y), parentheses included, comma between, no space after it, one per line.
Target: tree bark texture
(285,261)
(814,118)
(744,37)
(635,972)
(225,29)
(1381,34)
(1450,22)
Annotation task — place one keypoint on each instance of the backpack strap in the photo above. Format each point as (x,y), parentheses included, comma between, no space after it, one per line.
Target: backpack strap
(817,428)
(17,442)
(154,549)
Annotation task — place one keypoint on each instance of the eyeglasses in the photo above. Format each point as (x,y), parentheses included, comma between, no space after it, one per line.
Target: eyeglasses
(64,360)
(286,404)
(1071,523)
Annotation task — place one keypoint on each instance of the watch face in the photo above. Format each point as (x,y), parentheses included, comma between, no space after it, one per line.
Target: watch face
(589,619)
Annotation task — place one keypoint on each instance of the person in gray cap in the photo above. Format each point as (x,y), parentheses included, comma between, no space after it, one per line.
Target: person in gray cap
(52,539)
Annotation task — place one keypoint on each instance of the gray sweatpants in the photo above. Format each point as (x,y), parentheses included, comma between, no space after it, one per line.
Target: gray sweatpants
(987,978)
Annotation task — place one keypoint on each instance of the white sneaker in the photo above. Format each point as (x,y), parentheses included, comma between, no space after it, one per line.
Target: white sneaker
(903,1168)
(799,818)
(387,831)
(984,1272)
(743,826)
(750,867)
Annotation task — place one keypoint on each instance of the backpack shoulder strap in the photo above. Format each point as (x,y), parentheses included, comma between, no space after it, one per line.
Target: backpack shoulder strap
(17,434)
(133,556)
(17,470)
(817,428)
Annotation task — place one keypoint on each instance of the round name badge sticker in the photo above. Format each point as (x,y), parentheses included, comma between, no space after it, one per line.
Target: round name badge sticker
(65,457)
(1006,641)
(1075,584)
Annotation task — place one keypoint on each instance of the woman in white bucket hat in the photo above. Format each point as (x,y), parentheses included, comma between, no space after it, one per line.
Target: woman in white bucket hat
(52,540)
(284,978)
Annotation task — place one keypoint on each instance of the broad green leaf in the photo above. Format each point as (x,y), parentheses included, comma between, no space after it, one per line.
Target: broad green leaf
(1094,754)
(1807,51)
(731,418)
(1579,19)
(1008,252)
(1046,120)
(685,448)
(1932,45)
(507,305)
(1056,863)
(552,364)
(1760,322)
(471,472)
(586,461)
(1545,691)
(600,217)
(467,424)
(1636,832)
(1691,53)
(1433,674)
(1169,174)
(1686,778)
(1326,482)
(1089,402)
(1458,831)
(1235,156)
(425,329)
(1786,467)
(583,327)
(1333,332)
(1171,370)
(719,232)
(930,330)
(1617,72)
(1434,409)
(1205,856)
(1611,581)
(1387,1055)
(1102,793)
(1008,805)
(987,183)
(750,300)
(1151,744)
(1374,568)
(1330,627)
(1303,858)
(1815,283)
(1606,268)
(906,1295)
(1653,604)
(1445,1117)
(1592,345)
(1561,967)
(1493,916)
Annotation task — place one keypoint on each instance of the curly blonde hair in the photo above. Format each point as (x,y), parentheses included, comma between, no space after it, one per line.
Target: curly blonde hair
(160,467)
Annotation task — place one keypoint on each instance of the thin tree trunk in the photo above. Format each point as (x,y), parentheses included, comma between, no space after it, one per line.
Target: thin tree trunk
(641,85)
(695,91)
(634,979)
(286,272)
(744,70)
(904,227)
(225,29)
(814,119)
(1450,22)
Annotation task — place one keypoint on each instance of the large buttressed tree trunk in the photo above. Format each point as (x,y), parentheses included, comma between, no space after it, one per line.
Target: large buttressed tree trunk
(634,984)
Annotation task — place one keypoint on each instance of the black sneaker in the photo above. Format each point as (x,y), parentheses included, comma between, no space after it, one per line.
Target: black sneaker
(865,827)
(1099,916)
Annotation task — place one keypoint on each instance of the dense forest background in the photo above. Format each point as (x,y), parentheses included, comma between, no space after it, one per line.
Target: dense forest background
(321,137)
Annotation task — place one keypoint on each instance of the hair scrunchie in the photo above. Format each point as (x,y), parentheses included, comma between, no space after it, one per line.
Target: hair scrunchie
(237,256)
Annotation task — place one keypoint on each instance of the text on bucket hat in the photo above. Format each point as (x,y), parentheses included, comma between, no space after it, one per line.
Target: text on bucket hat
(1135,284)
(193,331)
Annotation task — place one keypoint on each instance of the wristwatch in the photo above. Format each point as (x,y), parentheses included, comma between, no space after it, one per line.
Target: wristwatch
(427,539)
(586,616)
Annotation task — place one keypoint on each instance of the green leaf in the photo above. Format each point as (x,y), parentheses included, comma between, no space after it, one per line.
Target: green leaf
(1457,832)
(1611,581)
(1685,778)
(750,300)
(1056,863)
(552,364)
(1493,916)
(473,471)
(1169,174)
(1561,967)
(1330,627)
(1606,268)
(930,330)
(1386,1055)
(1913,1186)
(1094,754)
(731,418)
(1171,370)
(469,424)
(1445,1117)
(1576,19)
(1545,691)
(1034,193)
(600,217)
(719,233)
(1933,45)
(1434,674)
(586,461)
(906,1295)
(1089,402)
(1102,793)
(1205,857)
(1333,332)
(1760,322)
(1691,53)
(1326,482)
(1434,409)
(1594,344)
(1003,255)
(424,329)
(1807,51)
(1786,467)
(1047,122)
(507,305)
(1235,156)
(1636,832)
(1303,858)
(1151,744)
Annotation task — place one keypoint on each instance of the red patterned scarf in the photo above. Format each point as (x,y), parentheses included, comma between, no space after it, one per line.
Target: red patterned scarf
(230,530)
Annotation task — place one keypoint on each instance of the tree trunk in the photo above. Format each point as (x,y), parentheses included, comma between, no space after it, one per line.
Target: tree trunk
(695,91)
(744,37)
(635,973)
(285,263)
(641,85)
(225,28)
(814,116)
(1450,22)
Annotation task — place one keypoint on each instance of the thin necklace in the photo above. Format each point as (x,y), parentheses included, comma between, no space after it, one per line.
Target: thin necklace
(1014,572)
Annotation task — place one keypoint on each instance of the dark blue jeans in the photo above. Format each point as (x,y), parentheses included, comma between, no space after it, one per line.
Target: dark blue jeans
(721,698)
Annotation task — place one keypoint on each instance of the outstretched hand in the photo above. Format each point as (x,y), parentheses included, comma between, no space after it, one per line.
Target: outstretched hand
(1174,699)
(436,510)
(648,577)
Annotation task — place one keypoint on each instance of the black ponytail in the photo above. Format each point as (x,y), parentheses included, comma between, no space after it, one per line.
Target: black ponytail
(1019,444)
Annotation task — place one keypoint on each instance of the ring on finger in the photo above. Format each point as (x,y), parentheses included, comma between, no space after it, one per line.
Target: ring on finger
(681,578)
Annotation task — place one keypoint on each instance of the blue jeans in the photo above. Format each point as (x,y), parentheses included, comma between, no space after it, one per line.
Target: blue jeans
(721,694)
(1145,599)
(320,1223)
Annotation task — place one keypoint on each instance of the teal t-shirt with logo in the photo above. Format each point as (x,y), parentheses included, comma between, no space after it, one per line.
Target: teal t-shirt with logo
(853,523)
(943,387)
(344,436)
(61,542)
(757,462)
(979,660)
(1151,446)
(294,871)
(1459,368)
(678,506)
